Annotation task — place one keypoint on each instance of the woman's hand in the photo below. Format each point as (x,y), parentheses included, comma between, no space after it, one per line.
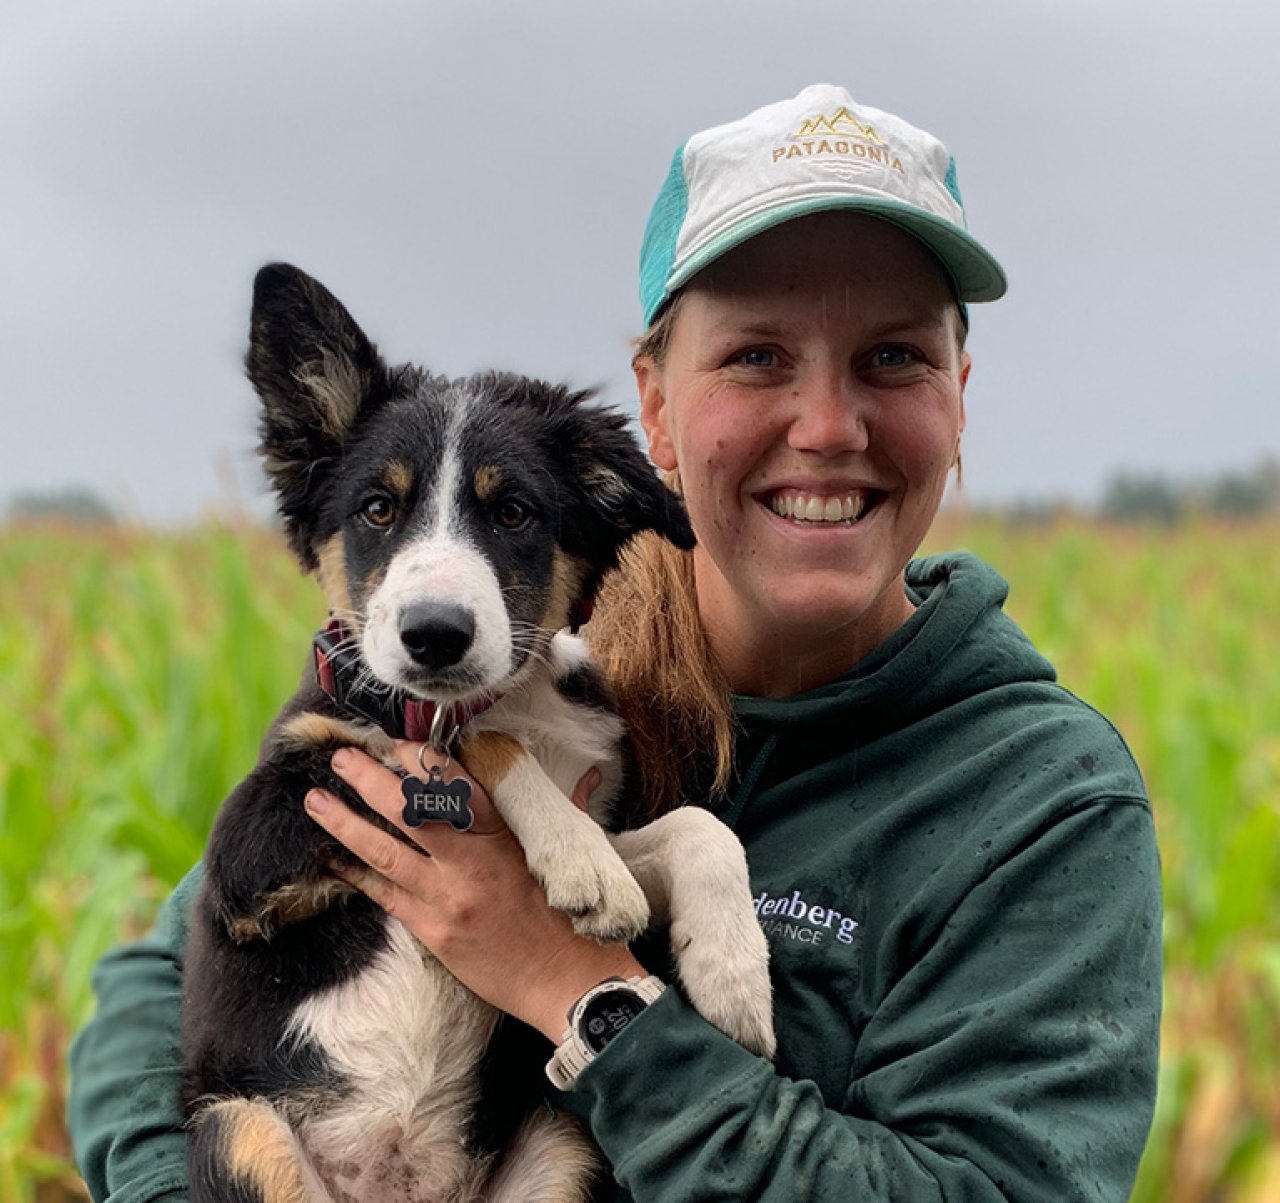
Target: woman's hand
(470,899)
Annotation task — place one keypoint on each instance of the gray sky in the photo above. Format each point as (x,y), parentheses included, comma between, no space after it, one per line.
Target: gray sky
(473,179)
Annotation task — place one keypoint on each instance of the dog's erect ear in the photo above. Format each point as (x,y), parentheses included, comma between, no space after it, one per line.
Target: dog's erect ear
(315,372)
(618,488)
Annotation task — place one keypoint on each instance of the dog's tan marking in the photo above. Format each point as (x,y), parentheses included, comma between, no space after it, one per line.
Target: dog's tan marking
(398,477)
(332,574)
(244,928)
(262,1152)
(339,387)
(486,482)
(289,904)
(309,730)
(489,757)
(567,574)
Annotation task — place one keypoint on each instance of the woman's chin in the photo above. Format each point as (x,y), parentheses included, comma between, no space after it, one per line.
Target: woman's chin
(829,608)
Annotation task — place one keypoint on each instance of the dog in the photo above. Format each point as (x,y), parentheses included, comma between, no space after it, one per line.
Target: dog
(456,528)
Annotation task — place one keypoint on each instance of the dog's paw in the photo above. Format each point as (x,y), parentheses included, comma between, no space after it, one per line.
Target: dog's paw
(725,971)
(600,896)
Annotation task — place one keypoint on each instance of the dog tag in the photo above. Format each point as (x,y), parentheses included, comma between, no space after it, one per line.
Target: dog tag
(436,800)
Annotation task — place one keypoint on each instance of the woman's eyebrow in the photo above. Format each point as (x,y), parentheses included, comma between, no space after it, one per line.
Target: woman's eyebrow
(735,328)
(923,320)
(755,329)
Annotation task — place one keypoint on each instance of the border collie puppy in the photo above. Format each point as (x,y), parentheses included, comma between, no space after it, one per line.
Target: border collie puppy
(456,528)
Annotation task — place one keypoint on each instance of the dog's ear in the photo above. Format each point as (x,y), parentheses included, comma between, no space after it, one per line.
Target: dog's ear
(618,489)
(315,372)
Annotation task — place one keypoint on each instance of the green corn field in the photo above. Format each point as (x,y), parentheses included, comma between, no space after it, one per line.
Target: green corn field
(139,670)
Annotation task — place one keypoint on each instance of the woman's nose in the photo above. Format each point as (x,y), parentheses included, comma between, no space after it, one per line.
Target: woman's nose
(829,418)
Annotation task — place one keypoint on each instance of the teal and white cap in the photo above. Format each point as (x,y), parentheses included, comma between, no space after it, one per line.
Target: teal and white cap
(819,150)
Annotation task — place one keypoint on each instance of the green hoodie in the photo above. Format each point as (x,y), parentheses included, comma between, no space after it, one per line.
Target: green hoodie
(955,863)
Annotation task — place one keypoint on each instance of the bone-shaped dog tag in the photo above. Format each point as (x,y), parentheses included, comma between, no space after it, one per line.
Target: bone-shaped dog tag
(437,801)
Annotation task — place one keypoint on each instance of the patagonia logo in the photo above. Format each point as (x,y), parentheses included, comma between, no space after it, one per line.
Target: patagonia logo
(840,122)
(840,135)
(793,918)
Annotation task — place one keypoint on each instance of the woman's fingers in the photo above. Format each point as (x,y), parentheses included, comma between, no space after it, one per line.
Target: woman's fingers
(387,793)
(433,808)
(390,897)
(374,782)
(393,870)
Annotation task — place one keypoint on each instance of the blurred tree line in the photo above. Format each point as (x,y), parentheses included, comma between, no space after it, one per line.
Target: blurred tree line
(1155,497)
(74,504)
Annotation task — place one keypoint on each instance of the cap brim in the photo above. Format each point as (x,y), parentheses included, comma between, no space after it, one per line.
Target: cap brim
(975,272)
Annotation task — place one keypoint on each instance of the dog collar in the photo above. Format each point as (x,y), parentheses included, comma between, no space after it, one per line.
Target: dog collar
(345,678)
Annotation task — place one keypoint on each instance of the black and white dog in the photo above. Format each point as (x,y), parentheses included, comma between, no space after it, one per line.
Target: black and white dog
(455,527)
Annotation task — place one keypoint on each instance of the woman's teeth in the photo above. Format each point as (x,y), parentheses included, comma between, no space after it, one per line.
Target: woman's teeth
(809,507)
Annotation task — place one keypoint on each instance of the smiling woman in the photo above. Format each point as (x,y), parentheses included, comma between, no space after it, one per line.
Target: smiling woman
(951,856)
(814,413)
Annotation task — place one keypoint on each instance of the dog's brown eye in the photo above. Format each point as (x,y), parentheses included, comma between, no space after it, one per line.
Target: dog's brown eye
(512,515)
(378,511)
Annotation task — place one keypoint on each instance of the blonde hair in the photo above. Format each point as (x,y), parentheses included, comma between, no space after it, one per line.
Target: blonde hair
(647,636)
(653,343)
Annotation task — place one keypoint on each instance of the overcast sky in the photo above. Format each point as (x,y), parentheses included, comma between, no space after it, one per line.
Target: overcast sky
(473,179)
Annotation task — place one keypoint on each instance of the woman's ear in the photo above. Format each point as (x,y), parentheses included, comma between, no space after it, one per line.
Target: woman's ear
(965,364)
(654,417)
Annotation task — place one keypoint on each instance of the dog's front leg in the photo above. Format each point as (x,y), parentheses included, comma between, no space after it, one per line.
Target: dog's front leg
(694,872)
(267,864)
(267,860)
(567,851)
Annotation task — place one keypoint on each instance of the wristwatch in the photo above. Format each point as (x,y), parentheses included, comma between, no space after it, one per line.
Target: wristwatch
(595,1019)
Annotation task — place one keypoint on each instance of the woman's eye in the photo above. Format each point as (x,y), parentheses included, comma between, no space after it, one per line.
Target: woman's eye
(511,515)
(379,512)
(758,357)
(894,356)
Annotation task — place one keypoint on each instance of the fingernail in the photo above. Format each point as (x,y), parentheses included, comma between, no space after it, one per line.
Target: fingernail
(341,758)
(316,802)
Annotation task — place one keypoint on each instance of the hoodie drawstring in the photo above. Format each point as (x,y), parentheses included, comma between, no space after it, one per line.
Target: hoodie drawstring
(747,788)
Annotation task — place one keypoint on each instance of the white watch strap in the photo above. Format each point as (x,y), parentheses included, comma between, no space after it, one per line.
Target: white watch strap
(566,1063)
(572,1055)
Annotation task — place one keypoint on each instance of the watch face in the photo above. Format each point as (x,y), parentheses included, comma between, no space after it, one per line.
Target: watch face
(606,1015)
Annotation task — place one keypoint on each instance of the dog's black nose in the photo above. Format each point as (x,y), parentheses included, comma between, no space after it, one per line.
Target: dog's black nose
(436,634)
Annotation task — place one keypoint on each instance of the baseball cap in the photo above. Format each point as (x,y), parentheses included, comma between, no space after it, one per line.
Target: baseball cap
(817,151)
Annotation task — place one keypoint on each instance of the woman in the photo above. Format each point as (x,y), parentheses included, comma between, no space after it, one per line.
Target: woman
(953,858)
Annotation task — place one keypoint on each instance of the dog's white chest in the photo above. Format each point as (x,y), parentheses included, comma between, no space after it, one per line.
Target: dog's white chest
(408,1037)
